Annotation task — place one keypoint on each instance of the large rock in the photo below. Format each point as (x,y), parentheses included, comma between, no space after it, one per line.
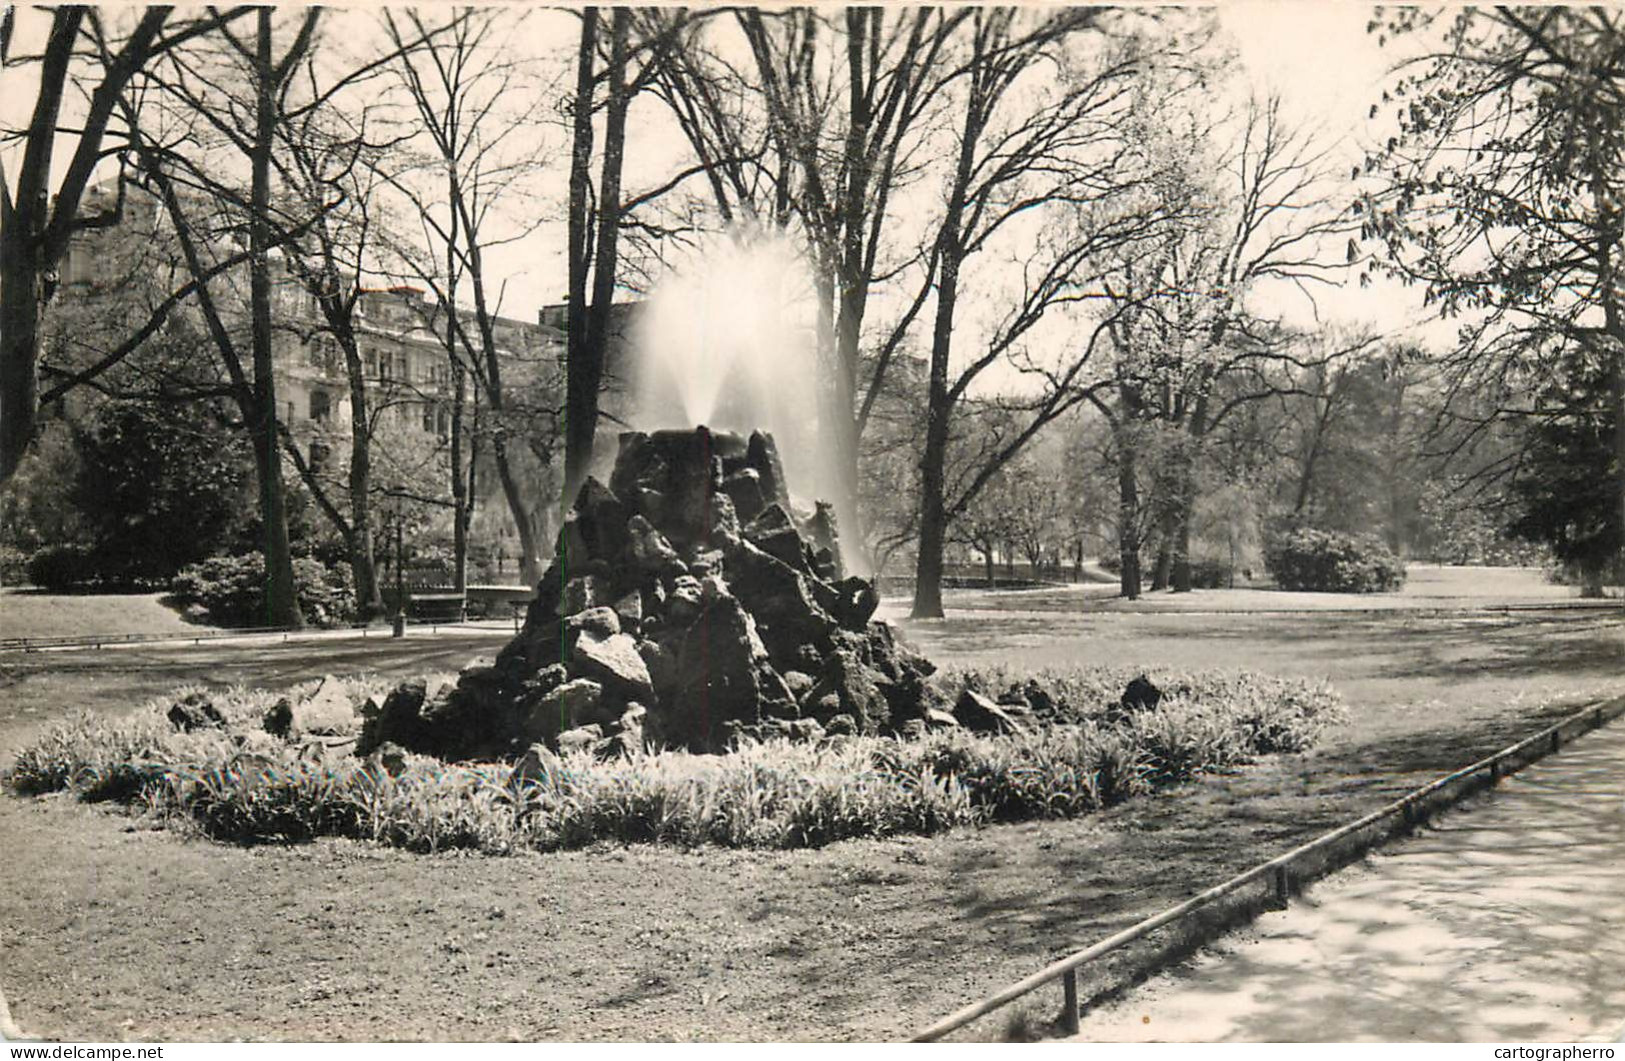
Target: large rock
(595,528)
(980,715)
(1141,695)
(649,551)
(847,687)
(539,766)
(661,664)
(823,532)
(540,644)
(614,663)
(744,490)
(628,737)
(683,470)
(326,712)
(774,533)
(856,601)
(762,456)
(472,720)
(595,622)
(195,711)
(782,599)
(399,719)
(717,677)
(585,593)
(575,703)
(683,601)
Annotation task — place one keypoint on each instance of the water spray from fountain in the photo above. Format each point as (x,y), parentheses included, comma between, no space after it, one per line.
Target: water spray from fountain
(727,339)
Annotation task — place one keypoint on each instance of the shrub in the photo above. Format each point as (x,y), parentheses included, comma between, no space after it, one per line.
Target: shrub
(240,784)
(61,567)
(1207,573)
(1329,562)
(232,589)
(13,565)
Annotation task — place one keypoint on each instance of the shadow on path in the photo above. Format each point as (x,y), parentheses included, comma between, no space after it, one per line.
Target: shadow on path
(1504,921)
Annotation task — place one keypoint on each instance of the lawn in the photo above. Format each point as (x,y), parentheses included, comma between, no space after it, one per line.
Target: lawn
(857,940)
(32,613)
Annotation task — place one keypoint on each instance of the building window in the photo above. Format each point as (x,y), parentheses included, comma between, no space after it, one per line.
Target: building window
(320,406)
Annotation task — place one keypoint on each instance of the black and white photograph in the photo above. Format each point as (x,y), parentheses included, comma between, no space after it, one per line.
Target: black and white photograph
(828,524)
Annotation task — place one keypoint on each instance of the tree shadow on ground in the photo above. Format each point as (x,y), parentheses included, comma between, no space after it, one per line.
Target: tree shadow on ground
(1086,879)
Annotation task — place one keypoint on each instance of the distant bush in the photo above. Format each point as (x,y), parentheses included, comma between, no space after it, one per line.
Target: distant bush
(239,784)
(62,567)
(1330,562)
(13,565)
(232,590)
(1207,573)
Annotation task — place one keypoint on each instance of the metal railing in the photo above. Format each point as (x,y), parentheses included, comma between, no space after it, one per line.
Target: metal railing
(1278,872)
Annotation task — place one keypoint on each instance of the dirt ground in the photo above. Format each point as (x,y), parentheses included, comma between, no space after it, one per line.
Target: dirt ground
(109,930)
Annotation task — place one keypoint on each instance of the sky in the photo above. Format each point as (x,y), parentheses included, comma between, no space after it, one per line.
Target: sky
(1315,53)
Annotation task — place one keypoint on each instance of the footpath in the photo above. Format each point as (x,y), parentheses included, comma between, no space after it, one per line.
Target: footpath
(1502,921)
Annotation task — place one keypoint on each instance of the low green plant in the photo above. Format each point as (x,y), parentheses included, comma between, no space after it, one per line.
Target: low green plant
(237,783)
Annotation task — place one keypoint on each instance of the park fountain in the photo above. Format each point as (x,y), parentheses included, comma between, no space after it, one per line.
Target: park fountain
(691,599)
(687,603)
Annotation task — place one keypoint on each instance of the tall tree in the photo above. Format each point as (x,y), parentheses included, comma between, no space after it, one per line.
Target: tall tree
(475,158)
(37,221)
(319,162)
(618,56)
(1065,156)
(1265,220)
(243,130)
(1502,192)
(821,128)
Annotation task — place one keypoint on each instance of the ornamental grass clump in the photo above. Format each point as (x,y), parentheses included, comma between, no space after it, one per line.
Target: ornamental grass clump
(1084,752)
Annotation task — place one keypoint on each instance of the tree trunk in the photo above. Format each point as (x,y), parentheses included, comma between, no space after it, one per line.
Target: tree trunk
(933,513)
(1618,395)
(1181,574)
(21,301)
(369,600)
(281,597)
(987,559)
(588,314)
(1128,509)
(22,240)
(1159,574)
(530,566)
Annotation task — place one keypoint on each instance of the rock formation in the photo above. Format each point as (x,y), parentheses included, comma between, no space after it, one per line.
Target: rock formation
(687,602)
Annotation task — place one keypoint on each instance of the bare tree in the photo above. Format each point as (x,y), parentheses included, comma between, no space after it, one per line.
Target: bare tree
(1500,193)
(37,222)
(473,163)
(1071,164)
(1191,323)
(822,127)
(320,164)
(245,130)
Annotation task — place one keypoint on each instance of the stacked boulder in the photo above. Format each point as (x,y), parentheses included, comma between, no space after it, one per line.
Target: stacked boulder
(687,603)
